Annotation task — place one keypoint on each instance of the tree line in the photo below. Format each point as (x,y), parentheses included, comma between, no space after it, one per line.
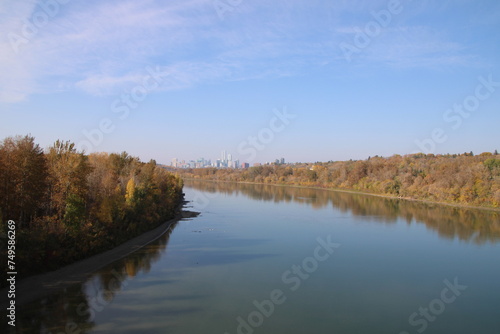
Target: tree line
(464,179)
(68,205)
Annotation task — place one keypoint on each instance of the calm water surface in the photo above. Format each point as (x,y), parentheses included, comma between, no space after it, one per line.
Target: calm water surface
(266,259)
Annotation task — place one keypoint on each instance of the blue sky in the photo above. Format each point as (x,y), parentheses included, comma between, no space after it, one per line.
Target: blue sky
(188,79)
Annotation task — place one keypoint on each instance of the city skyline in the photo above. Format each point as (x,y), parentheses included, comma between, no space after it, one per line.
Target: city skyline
(227,160)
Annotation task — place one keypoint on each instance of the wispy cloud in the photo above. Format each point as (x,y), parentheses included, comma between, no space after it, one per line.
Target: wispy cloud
(411,47)
(93,48)
(103,47)
(16,79)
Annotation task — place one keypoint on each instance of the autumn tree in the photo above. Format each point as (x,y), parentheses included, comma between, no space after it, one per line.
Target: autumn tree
(23,178)
(68,190)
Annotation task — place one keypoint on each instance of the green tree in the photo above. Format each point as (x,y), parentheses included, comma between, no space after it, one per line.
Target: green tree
(74,213)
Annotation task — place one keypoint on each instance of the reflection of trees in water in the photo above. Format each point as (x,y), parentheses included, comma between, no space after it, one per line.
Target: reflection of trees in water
(55,314)
(474,225)
(73,310)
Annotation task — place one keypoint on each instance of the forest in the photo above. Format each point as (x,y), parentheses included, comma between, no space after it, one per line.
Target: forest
(462,179)
(68,205)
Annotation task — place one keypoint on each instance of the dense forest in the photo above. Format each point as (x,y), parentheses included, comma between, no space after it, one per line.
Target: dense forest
(68,205)
(464,179)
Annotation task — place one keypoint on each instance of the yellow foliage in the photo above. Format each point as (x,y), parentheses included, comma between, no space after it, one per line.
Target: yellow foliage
(129,195)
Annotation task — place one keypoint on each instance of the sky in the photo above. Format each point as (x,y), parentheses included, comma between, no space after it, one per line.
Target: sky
(306,80)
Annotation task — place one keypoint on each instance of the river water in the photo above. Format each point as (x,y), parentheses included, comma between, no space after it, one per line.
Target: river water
(271,259)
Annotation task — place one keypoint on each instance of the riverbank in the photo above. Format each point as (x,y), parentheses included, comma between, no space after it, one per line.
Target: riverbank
(464,180)
(457,205)
(38,286)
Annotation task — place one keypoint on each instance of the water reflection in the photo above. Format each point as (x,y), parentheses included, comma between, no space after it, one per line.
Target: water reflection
(73,310)
(472,225)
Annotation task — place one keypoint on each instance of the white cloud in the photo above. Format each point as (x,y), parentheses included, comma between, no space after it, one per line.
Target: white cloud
(100,84)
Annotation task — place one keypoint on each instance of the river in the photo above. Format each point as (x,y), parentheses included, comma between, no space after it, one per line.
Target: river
(271,259)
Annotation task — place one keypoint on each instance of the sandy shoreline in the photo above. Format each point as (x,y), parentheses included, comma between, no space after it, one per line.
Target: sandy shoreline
(38,286)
